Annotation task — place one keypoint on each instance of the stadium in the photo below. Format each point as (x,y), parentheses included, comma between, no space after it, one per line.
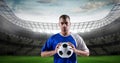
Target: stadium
(21,40)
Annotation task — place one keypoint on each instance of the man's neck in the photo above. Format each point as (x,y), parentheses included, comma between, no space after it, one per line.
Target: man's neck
(65,33)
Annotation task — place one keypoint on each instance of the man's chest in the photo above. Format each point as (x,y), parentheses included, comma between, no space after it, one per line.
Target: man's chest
(63,39)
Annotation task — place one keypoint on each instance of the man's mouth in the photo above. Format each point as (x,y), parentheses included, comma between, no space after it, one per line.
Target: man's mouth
(64,29)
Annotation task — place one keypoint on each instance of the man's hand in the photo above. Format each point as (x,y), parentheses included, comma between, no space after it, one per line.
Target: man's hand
(57,47)
(73,47)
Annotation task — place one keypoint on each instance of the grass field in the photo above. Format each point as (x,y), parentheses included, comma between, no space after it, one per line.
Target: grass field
(38,59)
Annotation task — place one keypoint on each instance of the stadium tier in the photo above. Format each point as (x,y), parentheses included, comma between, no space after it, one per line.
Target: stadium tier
(18,38)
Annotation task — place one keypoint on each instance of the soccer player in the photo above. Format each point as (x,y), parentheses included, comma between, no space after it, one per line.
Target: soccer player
(75,41)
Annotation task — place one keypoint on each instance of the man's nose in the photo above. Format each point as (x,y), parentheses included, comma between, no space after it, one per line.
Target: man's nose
(64,25)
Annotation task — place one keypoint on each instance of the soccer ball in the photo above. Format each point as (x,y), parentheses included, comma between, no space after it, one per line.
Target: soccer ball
(64,50)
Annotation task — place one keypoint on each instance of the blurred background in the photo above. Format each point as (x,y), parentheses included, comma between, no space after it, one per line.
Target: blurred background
(25,25)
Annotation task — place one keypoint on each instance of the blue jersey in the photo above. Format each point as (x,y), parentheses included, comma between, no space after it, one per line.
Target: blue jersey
(51,45)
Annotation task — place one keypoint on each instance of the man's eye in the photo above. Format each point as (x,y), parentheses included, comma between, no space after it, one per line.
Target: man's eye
(62,23)
(66,23)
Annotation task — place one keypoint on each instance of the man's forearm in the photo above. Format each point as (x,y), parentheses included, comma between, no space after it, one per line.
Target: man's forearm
(82,53)
(48,53)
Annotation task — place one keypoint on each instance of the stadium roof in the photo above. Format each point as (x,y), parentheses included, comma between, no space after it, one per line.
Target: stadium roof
(51,27)
(48,11)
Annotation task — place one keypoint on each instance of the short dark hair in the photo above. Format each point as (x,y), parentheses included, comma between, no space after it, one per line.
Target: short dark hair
(64,16)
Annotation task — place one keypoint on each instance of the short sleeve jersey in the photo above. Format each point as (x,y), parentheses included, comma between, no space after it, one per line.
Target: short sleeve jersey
(52,42)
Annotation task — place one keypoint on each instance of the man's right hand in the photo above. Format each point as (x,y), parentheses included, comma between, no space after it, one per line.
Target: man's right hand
(57,47)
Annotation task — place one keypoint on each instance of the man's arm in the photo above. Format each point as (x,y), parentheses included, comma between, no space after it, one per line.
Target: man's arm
(79,52)
(50,53)
(82,53)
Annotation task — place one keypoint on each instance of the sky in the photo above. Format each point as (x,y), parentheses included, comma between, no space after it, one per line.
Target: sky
(50,10)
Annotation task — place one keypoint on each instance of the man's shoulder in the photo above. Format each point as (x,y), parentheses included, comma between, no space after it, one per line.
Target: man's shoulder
(77,36)
(55,35)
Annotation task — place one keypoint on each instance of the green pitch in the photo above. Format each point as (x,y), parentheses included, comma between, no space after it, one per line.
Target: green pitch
(38,59)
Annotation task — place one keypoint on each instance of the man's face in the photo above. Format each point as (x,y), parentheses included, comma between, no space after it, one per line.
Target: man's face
(64,24)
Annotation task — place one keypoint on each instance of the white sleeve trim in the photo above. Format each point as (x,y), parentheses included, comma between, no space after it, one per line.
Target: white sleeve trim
(80,44)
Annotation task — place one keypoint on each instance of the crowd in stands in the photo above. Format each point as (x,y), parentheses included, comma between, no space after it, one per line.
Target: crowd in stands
(11,44)
(105,45)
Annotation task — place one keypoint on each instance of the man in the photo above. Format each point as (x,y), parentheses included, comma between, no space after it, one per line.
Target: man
(75,41)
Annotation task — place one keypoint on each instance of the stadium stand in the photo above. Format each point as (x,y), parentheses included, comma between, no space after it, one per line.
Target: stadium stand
(17,37)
